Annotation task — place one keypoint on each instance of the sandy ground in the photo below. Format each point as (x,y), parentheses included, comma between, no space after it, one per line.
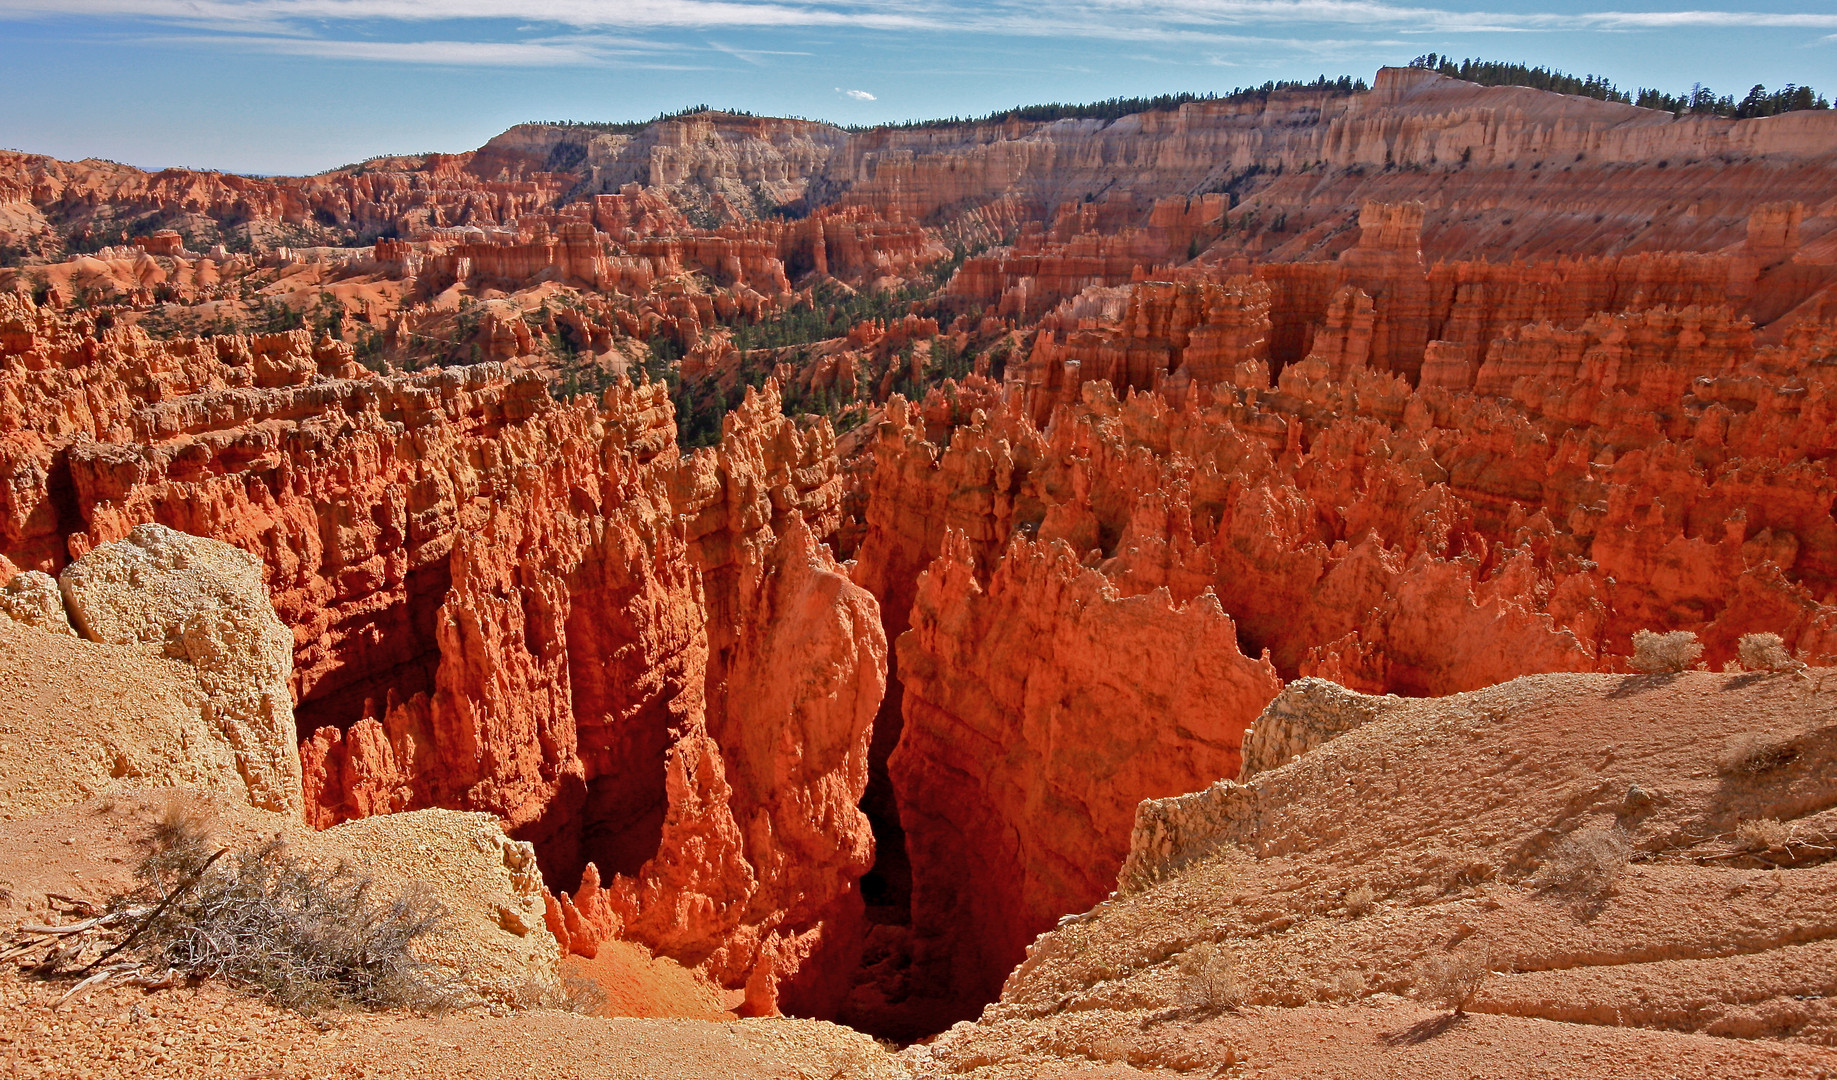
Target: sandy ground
(215,1033)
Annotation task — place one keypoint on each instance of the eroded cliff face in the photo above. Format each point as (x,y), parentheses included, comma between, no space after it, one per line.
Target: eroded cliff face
(1044,704)
(102,201)
(646,664)
(1474,472)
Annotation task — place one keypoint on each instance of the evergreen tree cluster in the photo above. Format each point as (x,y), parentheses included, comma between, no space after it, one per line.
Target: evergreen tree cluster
(829,313)
(1698,99)
(1499,73)
(630,127)
(1759,102)
(1118,107)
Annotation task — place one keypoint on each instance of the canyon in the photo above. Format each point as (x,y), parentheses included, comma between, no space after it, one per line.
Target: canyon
(829,550)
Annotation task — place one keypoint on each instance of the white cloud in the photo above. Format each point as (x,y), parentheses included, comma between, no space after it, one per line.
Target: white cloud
(858,95)
(1202,22)
(574,13)
(458,53)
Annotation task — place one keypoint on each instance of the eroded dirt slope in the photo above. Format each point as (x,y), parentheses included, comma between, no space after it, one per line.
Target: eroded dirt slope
(1479,825)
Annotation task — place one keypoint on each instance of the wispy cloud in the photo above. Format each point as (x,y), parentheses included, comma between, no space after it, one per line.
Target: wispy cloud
(574,13)
(755,57)
(890,14)
(858,95)
(477,28)
(583,53)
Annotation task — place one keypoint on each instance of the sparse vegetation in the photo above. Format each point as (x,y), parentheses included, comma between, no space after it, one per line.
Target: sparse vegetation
(1360,899)
(1663,654)
(1766,652)
(1761,834)
(1117,107)
(1453,978)
(628,127)
(576,992)
(1753,754)
(1349,985)
(1588,862)
(1500,73)
(1758,102)
(1698,99)
(309,938)
(1209,980)
(829,313)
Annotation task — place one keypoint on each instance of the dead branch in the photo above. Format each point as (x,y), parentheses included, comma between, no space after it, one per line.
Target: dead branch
(163,905)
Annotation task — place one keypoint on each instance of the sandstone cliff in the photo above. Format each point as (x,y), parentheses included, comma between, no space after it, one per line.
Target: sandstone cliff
(503,603)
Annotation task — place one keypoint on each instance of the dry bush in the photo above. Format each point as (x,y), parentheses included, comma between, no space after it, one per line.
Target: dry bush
(1452,978)
(1209,980)
(1360,899)
(1658,654)
(575,991)
(307,937)
(1766,652)
(1762,834)
(1752,754)
(581,993)
(1349,985)
(1587,861)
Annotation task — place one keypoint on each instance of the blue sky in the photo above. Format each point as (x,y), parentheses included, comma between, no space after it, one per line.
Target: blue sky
(292,86)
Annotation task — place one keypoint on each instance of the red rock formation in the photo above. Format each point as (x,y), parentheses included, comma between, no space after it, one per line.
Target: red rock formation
(162,242)
(1030,735)
(1169,336)
(503,603)
(379,196)
(1583,458)
(1552,371)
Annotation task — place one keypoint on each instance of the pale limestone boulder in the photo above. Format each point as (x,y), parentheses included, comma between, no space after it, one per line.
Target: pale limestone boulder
(33,598)
(203,601)
(494,936)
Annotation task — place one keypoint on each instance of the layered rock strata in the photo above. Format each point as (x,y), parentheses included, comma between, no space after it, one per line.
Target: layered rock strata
(1424,503)
(642,663)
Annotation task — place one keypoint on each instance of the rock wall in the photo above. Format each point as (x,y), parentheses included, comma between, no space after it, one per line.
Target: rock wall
(499,602)
(1431,499)
(1031,733)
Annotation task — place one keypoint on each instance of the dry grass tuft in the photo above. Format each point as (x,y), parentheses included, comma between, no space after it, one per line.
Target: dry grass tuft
(1766,652)
(1752,755)
(1209,979)
(1453,978)
(178,838)
(1349,985)
(1660,654)
(1360,899)
(575,992)
(1587,861)
(1762,834)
